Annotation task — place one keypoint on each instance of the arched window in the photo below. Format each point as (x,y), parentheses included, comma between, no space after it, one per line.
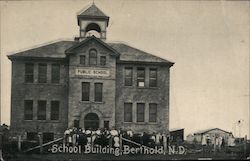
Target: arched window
(92,57)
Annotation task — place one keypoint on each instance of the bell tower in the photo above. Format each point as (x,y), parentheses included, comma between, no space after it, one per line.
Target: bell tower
(92,21)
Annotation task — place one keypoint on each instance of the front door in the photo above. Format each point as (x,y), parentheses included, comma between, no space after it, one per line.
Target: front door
(91,121)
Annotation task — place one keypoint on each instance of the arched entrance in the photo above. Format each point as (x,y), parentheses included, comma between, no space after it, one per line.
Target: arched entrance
(91,121)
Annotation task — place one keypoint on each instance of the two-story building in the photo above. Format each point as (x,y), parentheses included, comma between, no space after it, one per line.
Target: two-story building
(88,83)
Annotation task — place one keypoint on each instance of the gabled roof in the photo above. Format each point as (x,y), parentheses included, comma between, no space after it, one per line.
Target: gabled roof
(93,11)
(59,50)
(207,130)
(71,49)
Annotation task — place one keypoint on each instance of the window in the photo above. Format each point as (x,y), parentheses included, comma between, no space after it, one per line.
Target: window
(42,73)
(140,77)
(153,78)
(28,110)
(76,123)
(106,124)
(92,57)
(54,113)
(98,92)
(140,112)
(55,73)
(127,112)
(31,136)
(29,73)
(82,59)
(128,76)
(41,110)
(103,60)
(85,91)
(152,112)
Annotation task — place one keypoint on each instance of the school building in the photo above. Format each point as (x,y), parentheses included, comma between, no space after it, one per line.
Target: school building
(88,83)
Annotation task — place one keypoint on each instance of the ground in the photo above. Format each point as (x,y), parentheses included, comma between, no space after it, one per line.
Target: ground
(98,157)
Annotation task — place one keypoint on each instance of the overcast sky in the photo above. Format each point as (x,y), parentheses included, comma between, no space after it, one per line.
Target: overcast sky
(207,40)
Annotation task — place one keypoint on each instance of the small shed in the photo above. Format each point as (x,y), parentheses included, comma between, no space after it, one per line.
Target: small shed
(177,135)
(211,134)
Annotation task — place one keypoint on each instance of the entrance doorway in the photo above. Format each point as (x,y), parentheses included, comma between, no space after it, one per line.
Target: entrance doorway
(91,121)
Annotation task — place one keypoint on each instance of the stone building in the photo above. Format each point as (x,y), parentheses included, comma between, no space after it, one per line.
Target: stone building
(88,83)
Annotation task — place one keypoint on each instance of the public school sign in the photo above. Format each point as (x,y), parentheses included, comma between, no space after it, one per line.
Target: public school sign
(92,72)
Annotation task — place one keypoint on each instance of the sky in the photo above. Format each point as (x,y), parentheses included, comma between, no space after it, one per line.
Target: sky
(207,40)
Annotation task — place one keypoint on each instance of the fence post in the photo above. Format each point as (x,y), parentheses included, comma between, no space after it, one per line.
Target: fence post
(40,142)
(19,143)
(121,143)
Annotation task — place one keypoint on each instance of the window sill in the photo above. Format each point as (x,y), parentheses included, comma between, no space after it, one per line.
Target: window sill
(92,102)
(52,84)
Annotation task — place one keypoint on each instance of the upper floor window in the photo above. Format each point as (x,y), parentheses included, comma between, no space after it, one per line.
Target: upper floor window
(41,110)
(152,112)
(140,77)
(103,60)
(98,92)
(83,59)
(140,112)
(42,73)
(152,77)
(29,73)
(55,73)
(85,91)
(54,113)
(128,76)
(128,112)
(28,110)
(92,57)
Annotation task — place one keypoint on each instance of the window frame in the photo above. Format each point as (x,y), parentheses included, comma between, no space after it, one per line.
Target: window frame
(86,92)
(81,58)
(128,78)
(126,113)
(42,77)
(29,74)
(41,112)
(139,78)
(138,113)
(92,57)
(154,79)
(54,112)
(28,112)
(101,60)
(150,113)
(98,95)
(55,78)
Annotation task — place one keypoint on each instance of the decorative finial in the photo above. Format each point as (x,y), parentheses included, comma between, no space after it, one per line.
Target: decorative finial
(93,2)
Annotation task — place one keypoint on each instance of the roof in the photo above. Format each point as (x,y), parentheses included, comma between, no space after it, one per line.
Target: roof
(207,130)
(57,50)
(176,129)
(129,53)
(53,50)
(93,11)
